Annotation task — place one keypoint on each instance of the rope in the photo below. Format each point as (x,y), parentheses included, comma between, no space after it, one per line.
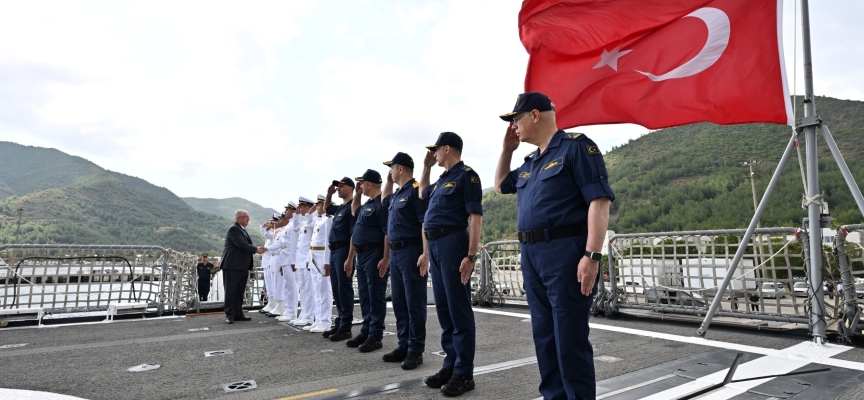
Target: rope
(807,201)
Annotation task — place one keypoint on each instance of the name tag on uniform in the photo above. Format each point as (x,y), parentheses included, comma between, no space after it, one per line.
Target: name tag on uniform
(402,200)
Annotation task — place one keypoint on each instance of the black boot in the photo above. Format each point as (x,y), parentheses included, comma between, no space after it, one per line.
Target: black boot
(458,385)
(412,361)
(439,379)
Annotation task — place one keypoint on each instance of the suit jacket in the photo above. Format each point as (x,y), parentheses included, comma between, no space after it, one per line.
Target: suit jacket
(238,249)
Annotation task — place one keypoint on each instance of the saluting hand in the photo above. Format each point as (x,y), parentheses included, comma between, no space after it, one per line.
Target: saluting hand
(390,176)
(331,189)
(587,275)
(429,160)
(359,189)
(466,268)
(423,264)
(511,139)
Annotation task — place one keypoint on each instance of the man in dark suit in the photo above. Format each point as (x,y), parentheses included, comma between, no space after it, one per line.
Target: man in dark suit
(236,263)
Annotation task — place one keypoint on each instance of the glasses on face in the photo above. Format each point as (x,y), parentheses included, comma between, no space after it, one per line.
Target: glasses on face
(518,117)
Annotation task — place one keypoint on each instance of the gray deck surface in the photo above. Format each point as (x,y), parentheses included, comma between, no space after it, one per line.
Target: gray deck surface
(91,360)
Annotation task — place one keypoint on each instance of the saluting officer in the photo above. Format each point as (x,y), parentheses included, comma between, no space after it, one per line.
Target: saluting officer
(267,231)
(408,280)
(564,199)
(452,251)
(303,228)
(341,257)
(319,259)
(370,243)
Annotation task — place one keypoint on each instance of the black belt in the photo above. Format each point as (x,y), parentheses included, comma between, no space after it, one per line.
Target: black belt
(338,245)
(401,244)
(367,247)
(541,235)
(438,233)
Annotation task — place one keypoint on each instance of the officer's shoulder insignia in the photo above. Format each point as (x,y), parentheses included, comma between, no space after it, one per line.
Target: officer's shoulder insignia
(572,135)
(468,168)
(416,185)
(449,185)
(529,156)
(475,179)
(525,175)
(593,150)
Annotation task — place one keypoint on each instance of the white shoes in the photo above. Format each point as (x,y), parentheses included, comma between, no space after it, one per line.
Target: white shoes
(310,327)
(269,307)
(301,322)
(279,309)
(320,327)
(285,318)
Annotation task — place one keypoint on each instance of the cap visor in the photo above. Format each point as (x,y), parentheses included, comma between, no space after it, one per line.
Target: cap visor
(432,147)
(388,162)
(508,117)
(336,183)
(358,179)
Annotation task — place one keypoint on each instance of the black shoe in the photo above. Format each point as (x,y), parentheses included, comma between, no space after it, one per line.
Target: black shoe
(395,356)
(271,315)
(340,335)
(242,318)
(229,320)
(439,379)
(370,345)
(327,333)
(412,361)
(356,342)
(457,386)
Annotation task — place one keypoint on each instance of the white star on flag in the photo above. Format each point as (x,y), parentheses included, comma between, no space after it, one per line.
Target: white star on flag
(610,58)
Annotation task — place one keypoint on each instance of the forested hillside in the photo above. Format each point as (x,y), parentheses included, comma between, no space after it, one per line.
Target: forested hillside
(227,207)
(690,177)
(67,199)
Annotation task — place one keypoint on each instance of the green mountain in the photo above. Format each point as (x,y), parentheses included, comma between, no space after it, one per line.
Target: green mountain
(67,199)
(227,207)
(690,177)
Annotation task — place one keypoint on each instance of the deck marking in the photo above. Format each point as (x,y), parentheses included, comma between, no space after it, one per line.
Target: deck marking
(505,365)
(310,394)
(636,386)
(809,351)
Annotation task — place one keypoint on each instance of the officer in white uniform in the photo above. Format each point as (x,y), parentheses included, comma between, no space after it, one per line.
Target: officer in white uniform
(276,233)
(320,250)
(267,233)
(285,277)
(302,263)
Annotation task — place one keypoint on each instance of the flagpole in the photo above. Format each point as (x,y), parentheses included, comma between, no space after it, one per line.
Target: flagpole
(813,199)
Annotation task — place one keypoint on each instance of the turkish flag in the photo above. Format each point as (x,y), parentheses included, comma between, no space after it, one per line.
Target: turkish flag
(657,63)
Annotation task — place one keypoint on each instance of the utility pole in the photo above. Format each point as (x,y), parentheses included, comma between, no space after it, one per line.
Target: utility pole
(752,177)
(18,231)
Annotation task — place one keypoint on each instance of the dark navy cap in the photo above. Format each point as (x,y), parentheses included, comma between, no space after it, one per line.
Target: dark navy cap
(370,175)
(401,159)
(447,139)
(529,101)
(346,180)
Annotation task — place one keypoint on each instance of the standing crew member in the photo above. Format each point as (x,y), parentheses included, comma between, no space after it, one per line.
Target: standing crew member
(301,263)
(267,234)
(408,279)
(285,277)
(452,250)
(341,257)
(204,277)
(320,267)
(564,199)
(370,243)
(271,267)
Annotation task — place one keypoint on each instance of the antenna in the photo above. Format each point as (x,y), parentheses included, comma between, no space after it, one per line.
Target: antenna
(18,231)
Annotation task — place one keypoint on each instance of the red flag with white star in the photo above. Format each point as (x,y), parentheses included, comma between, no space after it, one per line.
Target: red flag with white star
(657,63)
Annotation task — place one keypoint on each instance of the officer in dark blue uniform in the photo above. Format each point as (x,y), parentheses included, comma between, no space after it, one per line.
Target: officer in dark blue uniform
(373,261)
(452,248)
(408,280)
(341,257)
(564,199)
(204,276)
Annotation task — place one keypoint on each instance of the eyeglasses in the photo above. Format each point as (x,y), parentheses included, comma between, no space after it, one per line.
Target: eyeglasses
(518,117)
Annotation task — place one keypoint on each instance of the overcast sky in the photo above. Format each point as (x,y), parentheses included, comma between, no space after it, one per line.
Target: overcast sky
(270,101)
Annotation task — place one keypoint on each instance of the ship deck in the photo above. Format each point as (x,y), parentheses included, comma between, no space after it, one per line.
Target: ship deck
(634,358)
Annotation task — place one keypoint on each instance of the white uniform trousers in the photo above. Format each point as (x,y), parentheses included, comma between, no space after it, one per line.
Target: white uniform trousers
(287,282)
(268,277)
(307,293)
(323,290)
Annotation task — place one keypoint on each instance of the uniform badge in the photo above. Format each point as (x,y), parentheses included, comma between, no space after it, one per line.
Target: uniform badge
(370,209)
(449,185)
(593,150)
(525,175)
(339,215)
(475,179)
(573,135)
(402,200)
(416,185)
(553,164)
(467,168)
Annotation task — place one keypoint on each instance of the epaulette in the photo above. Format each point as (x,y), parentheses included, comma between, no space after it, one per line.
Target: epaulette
(416,185)
(529,155)
(467,168)
(573,135)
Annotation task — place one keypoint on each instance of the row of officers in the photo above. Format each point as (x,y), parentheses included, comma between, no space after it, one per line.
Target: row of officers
(424,229)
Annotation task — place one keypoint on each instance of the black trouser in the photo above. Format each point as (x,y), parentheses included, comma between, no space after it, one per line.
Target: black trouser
(235,290)
(203,289)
